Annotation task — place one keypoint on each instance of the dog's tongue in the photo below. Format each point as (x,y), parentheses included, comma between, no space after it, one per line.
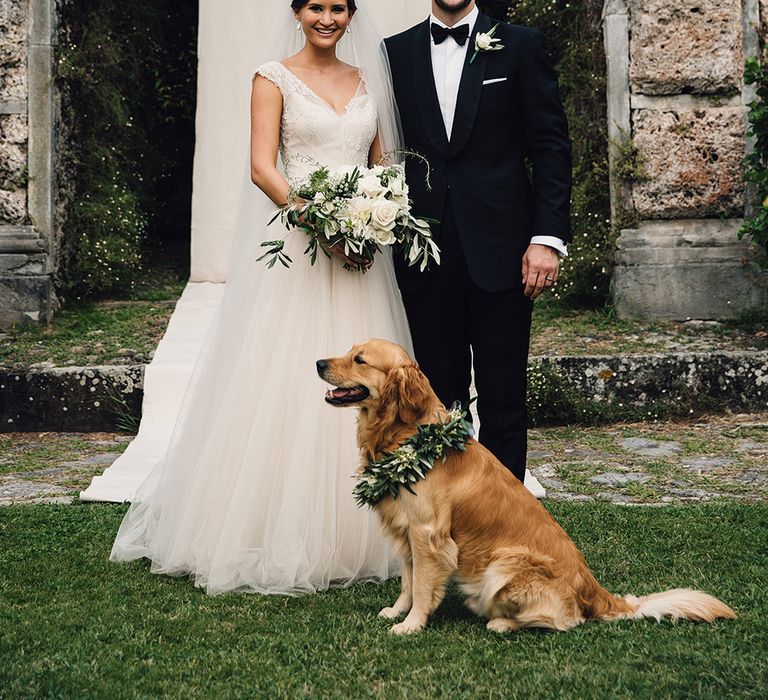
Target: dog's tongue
(341,393)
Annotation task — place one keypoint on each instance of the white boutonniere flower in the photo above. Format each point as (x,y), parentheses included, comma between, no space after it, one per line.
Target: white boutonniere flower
(486,42)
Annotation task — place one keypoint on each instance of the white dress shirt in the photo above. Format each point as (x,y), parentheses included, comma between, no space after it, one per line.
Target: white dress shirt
(448,60)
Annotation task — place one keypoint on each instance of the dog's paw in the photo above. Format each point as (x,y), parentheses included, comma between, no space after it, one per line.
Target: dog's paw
(406,627)
(391,613)
(501,624)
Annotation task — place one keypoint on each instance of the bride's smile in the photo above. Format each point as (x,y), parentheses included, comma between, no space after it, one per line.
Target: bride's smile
(325,23)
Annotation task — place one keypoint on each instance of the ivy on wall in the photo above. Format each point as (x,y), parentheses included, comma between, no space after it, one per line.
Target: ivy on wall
(756,162)
(126,73)
(574,36)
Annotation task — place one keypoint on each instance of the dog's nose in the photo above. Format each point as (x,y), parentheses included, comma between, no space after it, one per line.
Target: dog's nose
(321,365)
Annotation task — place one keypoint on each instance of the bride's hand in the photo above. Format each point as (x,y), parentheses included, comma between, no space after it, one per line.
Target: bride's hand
(338,252)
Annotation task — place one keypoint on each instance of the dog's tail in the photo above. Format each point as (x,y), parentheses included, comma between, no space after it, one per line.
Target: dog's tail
(675,604)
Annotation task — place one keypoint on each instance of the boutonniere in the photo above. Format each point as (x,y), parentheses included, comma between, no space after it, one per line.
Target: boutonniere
(486,42)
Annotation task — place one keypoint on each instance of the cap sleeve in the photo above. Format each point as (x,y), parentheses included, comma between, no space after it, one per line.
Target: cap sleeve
(272,71)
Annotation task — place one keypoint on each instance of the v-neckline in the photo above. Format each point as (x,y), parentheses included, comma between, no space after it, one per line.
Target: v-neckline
(323,100)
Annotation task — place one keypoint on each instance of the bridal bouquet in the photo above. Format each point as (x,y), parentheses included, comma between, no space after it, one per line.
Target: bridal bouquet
(358,209)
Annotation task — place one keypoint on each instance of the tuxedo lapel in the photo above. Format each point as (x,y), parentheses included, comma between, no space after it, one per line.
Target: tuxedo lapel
(426,93)
(470,89)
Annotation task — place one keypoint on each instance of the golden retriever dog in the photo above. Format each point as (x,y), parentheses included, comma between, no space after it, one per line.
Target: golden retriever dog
(472,520)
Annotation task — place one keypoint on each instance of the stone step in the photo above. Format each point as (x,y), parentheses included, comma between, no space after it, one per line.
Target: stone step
(20,239)
(78,399)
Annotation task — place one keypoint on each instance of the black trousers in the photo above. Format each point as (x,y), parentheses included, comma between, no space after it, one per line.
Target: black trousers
(455,324)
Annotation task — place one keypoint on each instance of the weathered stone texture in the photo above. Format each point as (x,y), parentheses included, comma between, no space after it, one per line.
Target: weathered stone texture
(693,161)
(70,398)
(13,168)
(685,46)
(13,49)
(736,381)
(680,269)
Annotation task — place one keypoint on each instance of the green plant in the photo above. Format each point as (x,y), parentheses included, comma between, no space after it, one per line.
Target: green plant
(628,160)
(756,162)
(574,36)
(126,76)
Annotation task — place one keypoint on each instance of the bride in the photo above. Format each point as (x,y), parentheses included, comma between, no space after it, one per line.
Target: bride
(254,493)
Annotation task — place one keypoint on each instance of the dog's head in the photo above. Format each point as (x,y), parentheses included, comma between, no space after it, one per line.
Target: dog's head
(380,376)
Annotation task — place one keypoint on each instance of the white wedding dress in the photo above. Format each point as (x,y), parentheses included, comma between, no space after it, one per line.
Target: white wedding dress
(255,492)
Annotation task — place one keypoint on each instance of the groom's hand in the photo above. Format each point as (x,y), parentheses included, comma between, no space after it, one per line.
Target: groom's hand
(541,265)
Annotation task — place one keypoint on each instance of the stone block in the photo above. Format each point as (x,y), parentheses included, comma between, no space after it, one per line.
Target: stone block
(685,46)
(13,21)
(25,299)
(13,129)
(677,270)
(13,49)
(693,160)
(727,381)
(13,206)
(68,399)
(22,264)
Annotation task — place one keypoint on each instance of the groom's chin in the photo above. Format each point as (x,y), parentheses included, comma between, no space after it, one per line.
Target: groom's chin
(453,5)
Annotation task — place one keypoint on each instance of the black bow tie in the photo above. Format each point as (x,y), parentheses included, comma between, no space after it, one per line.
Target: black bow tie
(440,34)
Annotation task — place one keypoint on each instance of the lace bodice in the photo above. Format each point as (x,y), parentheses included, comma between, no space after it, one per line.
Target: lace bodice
(314,132)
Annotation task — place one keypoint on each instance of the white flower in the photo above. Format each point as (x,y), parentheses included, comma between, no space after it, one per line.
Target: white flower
(319,198)
(370,186)
(329,207)
(384,214)
(358,213)
(486,42)
(398,187)
(384,237)
(483,42)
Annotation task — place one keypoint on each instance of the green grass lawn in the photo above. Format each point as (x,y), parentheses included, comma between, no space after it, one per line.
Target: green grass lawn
(74,625)
(126,331)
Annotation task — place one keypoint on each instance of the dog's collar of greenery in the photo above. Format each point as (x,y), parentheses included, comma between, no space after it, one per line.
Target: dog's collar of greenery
(414,459)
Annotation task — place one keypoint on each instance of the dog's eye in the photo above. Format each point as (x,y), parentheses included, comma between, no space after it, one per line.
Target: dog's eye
(359,360)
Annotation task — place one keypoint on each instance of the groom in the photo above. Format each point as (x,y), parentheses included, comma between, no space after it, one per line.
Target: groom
(483,115)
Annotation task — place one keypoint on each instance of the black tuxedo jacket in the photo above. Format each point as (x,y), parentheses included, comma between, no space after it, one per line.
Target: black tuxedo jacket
(499,125)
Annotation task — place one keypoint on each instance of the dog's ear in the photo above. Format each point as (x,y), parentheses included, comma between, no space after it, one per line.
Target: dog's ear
(415,394)
(406,394)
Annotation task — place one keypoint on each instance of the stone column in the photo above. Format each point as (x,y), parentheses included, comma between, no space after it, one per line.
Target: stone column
(26,160)
(678,129)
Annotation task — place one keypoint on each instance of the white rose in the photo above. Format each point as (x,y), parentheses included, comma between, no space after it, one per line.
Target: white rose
(483,42)
(370,186)
(377,169)
(384,214)
(398,187)
(383,237)
(319,198)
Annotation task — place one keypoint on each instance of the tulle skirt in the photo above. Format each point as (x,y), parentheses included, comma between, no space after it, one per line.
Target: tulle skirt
(255,492)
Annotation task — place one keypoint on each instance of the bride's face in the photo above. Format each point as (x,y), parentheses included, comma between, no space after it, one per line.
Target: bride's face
(324,21)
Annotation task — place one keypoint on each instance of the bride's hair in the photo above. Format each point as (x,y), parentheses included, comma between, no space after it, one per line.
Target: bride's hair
(297,5)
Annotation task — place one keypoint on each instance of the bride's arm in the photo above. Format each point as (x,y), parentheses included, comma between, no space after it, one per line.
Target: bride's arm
(375,154)
(266,114)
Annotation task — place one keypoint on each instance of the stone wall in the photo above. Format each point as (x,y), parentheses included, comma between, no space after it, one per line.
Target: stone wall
(13,112)
(27,185)
(677,97)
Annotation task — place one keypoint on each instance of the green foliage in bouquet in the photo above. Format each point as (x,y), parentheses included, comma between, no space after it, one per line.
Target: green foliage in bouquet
(126,74)
(756,163)
(573,32)
(355,209)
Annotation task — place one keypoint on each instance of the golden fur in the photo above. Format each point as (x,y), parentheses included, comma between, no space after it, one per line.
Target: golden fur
(472,520)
